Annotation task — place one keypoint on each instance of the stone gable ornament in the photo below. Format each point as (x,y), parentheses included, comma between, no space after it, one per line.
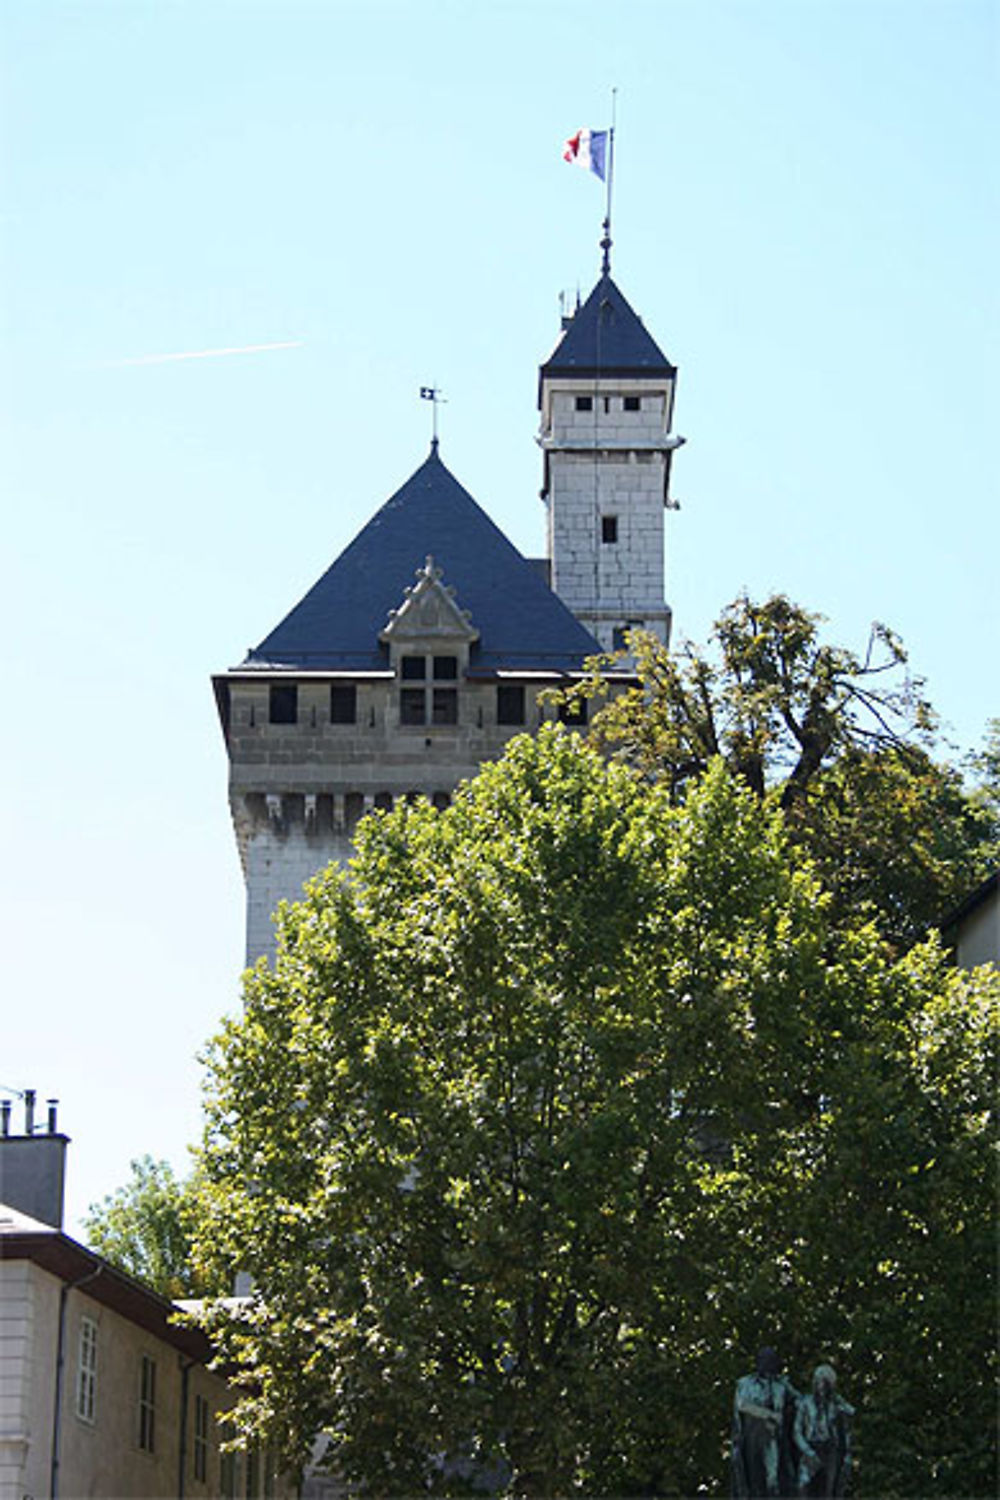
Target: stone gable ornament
(429,611)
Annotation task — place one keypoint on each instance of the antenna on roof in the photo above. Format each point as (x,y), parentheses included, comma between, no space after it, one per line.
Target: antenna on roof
(433,393)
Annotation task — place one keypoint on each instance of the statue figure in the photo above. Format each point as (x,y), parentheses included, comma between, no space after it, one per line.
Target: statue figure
(823,1438)
(763,1417)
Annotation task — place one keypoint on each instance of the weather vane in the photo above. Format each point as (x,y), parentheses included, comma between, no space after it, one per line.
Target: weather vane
(433,393)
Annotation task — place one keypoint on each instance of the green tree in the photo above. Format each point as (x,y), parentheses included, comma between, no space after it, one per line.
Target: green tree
(551,1111)
(842,743)
(146,1228)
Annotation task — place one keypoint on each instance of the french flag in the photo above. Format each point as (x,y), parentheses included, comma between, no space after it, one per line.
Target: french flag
(588,149)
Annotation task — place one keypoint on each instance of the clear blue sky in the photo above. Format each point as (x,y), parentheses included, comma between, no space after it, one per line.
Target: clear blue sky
(804,218)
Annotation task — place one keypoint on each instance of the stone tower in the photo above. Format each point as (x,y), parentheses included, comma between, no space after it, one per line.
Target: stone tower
(606,395)
(427,643)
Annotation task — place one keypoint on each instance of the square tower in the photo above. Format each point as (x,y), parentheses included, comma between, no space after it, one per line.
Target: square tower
(606,396)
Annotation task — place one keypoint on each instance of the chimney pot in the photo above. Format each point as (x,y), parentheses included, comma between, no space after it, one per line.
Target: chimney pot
(29,1111)
(53,1106)
(4,1117)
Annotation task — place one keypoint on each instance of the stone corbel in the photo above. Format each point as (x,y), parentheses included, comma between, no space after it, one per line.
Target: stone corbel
(310,812)
(275,811)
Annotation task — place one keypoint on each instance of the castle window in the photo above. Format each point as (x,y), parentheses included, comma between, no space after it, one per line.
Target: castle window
(510,703)
(609,528)
(445,668)
(86,1373)
(147,1404)
(584,403)
(284,703)
(632,403)
(573,713)
(618,641)
(343,703)
(200,1439)
(413,668)
(445,706)
(412,706)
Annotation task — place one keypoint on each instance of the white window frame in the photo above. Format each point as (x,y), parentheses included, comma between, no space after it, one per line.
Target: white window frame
(86,1372)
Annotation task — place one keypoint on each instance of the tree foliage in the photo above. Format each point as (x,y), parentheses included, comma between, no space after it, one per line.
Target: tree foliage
(558,1105)
(842,743)
(146,1228)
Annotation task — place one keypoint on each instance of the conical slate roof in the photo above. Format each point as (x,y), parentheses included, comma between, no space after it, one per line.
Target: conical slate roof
(606,337)
(522,624)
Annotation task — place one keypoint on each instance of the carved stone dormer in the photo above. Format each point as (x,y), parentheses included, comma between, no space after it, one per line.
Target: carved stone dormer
(428,614)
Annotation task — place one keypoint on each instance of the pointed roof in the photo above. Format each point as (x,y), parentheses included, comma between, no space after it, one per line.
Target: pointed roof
(606,337)
(522,624)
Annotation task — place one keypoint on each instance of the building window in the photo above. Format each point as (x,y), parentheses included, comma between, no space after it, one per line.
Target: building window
(229,1475)
(445,706)
(631,403)
(200,1439)
(343,703)
(510,703)
(609,528)
(412,706)
(250,1473)
(86,1374)
(618,641)
(573,713)
(284,703)
(584,403)
(445,668)
(413,668)
(147,1404)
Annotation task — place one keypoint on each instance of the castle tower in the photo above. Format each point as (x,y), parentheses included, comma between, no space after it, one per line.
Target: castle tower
(606,396)
(420,651)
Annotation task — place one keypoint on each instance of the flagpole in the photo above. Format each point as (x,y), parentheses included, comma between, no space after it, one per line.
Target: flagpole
(606,241)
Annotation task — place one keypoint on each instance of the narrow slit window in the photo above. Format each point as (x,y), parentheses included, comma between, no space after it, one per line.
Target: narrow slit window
(86,1379)
(609,528)
(147,1404)
(200,1439)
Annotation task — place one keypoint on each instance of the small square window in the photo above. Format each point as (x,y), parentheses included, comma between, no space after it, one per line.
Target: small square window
(632,403)
(510,703)
(413,668)
(284,703)
(412,706)
(445,668)
(343,703)
(609,528)
(445,706)
(585,403)
(573,713)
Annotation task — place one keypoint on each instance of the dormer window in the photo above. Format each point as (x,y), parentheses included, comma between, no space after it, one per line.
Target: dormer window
(445,668)
(413,668)
(428,704)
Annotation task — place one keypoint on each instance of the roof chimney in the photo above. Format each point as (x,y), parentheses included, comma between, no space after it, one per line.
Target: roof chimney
(33,1165)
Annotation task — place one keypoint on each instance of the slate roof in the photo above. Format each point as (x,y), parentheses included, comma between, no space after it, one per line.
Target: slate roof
(522,624)
(606,337)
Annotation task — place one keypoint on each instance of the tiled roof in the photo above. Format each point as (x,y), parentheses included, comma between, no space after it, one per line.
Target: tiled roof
(521,622)
(606,337)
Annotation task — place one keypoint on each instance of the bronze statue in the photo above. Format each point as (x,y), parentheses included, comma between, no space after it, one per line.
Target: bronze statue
(763,1418)
(823,1438)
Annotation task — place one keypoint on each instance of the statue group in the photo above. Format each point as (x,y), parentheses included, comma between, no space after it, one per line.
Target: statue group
(785,1444)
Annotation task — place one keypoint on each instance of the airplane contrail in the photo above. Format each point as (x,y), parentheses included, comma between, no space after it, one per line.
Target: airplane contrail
(166,359)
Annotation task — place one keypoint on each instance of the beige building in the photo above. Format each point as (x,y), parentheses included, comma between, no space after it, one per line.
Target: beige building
(101,1392)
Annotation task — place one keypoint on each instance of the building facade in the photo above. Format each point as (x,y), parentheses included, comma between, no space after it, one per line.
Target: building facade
(427,643)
